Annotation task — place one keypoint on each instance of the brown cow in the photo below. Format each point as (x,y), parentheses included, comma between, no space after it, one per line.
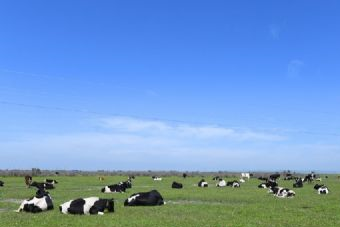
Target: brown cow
(28,180)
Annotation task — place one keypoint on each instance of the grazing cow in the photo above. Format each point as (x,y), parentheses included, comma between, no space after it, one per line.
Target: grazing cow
(28,180)
(151,198)
(156,178)
(50,181)
(298,183)
(91,205)
(269,184)
(245,175)
(40,202)
(176,185)
(202,184)
(233,184)
(221,183)
(322,189)
(114,188)
(1,183)
(42,185)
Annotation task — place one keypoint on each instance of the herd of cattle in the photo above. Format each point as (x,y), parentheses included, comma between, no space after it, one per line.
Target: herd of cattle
(42,201)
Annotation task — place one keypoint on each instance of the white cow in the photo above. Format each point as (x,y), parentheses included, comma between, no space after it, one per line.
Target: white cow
(245,175)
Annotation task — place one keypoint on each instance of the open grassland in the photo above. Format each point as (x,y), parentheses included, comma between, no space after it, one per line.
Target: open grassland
(247,206)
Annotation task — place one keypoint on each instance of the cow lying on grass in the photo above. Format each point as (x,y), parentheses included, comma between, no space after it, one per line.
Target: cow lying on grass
(322,189)
(42,201)
(233,184)
(42,186)
(151,198)
(51,181)
(114,188)
(282,192)
(176,185)
(91,205)
(202,183)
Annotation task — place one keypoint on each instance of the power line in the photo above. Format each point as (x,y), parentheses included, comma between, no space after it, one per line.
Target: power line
(2,102)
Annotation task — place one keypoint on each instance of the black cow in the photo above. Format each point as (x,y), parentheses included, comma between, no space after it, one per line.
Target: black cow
(263,178)
(274,176)
(176,185)
(184,175)
(1,183)
(40,202)
(42,185)
(298,183)
(151,198)
(91,205)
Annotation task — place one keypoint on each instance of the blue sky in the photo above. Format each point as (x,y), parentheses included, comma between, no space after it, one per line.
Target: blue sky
(170,85)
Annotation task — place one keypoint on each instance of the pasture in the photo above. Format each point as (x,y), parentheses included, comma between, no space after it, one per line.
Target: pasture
(247,206)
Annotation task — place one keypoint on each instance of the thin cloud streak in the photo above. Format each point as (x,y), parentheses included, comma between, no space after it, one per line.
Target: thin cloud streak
(128,124)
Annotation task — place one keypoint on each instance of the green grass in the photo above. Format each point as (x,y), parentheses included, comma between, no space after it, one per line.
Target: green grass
(247,206)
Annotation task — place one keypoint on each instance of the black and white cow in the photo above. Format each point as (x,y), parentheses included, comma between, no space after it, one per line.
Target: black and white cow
(221,183)
(125,184)
(151,198)
(176,185)
(309,178)
(40,202)
(216,178)
(1,183)
(269,184)
(233,184)
(322,189)
(202,184)
(51,181)
(298,183)
(155,178)
(91,205)
(282,192)
(42,185)
(114,188)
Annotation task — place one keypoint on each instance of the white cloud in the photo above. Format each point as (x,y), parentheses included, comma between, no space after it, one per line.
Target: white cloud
(142,126)
(274,31)
(136,144)
(294,68)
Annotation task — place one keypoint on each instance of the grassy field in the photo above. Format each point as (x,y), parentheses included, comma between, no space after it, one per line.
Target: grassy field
(247,206)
